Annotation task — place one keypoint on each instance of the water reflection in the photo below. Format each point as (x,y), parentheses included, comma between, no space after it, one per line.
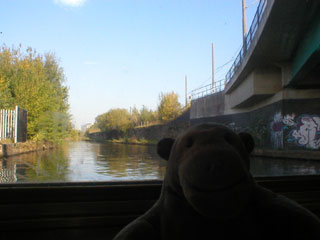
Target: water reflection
(135,162)
(44,166)
(283,167)
(8,174)
(86,161)
(109,162)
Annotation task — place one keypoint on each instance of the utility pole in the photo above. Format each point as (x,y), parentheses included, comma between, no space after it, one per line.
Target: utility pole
(213,83)
(186,89)
(244,23)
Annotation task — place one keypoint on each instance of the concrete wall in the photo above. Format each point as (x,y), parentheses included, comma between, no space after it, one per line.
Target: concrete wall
(287,93)
(289,124)
(242,93)
(211,105)
(257,86)
(255,122)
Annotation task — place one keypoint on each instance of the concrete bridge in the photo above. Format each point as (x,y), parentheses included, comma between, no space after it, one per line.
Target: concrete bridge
(273,88)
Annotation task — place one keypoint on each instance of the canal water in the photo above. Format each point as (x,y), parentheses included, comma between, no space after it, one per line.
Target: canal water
(87,161)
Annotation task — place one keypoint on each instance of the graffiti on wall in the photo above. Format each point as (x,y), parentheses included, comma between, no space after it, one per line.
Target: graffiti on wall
(277,131)
(304,130)
(307,132)
(288,120)
(237,128)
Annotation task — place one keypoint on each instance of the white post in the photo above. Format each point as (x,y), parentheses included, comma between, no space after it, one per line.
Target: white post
(16,125)
(213,83)
(10,125)
(1,123)
(244,24)
(186,89)
(5,123)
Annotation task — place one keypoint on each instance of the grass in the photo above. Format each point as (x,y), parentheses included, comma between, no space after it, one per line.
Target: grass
(134,140)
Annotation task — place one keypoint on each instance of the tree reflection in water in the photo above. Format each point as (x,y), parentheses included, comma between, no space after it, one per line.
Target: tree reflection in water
(130,161)
(44,166)
(84,161)
(87,161)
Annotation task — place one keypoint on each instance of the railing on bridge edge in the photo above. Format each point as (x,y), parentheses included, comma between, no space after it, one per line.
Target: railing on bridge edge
(218,86)
(248,39)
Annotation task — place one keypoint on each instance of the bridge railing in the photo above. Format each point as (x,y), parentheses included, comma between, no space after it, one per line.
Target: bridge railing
(248,40)
(218,86)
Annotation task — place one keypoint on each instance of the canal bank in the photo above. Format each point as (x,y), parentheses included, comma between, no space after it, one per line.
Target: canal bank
(258,123)
(13,149)
(148,135)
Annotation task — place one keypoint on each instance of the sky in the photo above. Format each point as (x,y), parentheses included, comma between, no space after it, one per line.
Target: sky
(124,53)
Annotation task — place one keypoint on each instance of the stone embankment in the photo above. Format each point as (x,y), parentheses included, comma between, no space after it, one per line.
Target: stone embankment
(12,149)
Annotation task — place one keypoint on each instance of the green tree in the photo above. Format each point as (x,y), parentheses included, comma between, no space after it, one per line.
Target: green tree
(53,127)
(169,107)
(115,119)
(6,72)
(135,116)
(147,115)
(101,122)
(6,100)
(35,82)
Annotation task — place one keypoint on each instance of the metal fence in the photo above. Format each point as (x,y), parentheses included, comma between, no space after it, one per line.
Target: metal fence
(248,40)
(13,124)
(218,86)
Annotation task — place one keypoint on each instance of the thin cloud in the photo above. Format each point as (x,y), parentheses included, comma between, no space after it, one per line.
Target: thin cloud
(71,3)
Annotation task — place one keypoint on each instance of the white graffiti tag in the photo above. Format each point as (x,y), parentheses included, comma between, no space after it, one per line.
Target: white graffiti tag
(307,132)
(277,131)
(288,120)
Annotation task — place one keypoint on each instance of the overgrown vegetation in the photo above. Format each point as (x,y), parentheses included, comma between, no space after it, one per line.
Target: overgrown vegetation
(35,82)
(122,119)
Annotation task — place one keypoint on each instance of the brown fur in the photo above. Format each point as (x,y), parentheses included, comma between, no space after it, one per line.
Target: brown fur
(209,193)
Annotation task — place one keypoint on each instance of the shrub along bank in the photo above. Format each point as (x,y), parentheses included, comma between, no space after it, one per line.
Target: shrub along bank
(144,135)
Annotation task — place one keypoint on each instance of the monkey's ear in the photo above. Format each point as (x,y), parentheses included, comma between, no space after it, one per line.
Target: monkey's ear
(247,140)
(164,147)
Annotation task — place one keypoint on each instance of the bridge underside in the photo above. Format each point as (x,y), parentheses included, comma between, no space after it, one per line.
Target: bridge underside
(306,63)
(274,94)
(284,35)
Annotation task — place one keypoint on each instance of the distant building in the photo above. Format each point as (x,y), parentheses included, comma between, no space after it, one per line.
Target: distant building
(85,127)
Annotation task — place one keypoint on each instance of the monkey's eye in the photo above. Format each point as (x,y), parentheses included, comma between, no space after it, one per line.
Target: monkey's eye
(189,142)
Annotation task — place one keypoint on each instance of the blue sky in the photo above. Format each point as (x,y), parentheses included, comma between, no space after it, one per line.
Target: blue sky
(123,53)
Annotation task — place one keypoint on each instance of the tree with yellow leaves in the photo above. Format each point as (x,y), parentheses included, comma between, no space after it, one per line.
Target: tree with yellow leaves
(169,107)
(35,82)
